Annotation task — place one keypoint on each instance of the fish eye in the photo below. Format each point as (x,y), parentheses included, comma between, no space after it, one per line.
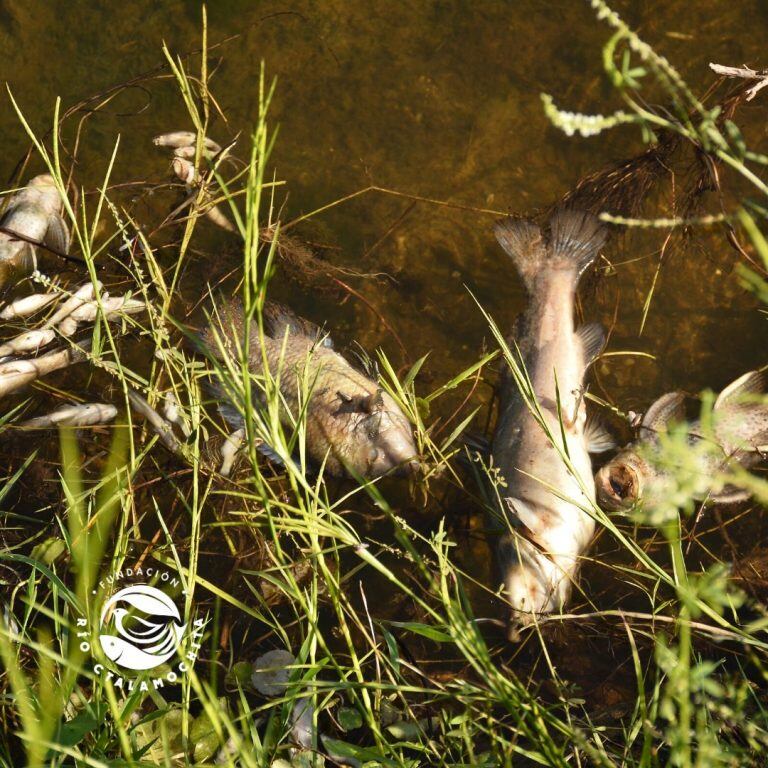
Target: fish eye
(371,426)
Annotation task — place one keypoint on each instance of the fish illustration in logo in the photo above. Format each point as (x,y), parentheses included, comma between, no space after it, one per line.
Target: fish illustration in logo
(141,643)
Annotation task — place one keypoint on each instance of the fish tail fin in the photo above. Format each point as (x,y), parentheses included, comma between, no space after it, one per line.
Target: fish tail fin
(524,243)
(573,241)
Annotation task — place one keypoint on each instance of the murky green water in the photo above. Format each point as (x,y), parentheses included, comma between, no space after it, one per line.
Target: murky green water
(438,100)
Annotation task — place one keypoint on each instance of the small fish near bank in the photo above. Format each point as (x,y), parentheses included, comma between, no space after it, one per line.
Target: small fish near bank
(352,425)
(33,215)
(542,440)
(738,436)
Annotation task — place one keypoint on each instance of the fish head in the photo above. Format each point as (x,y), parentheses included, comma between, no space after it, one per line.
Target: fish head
(532,583)
(41,191)
(378,438)
(619,484)
(43,180)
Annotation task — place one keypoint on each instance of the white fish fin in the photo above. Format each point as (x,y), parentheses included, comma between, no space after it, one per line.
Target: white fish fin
(751,383)
(57,235)
(730,494)
(523,242)
(522,513)
(576,237)
(669,407)
(592,338)
(599,439)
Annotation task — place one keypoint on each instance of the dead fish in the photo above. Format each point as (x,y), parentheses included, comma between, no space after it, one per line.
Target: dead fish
(352,424)
(113,306)
(34,213)
(85,415)
(186,171)
(740,434)
(68,326)
(83,294)
(30,341)
(178,139)
(545,528)
(160,426)
(27,306)
(185,153)
(173,413)
(17,373)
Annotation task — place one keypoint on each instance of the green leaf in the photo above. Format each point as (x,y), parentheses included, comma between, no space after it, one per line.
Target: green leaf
(77,729)
(414,372)
(459,429)
(425,630)
(349,719)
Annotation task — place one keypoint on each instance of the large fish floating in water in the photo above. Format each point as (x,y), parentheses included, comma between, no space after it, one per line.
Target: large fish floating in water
(541,445)
(739,436)
(352,425)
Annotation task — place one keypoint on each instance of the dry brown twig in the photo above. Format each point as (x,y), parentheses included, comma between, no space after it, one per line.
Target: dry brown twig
(745,73)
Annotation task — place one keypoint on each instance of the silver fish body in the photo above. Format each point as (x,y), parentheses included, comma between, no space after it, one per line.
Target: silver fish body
(85,415)
(29,341)
(352,425)
(18,373)
(180,139)
(34,213)
(544,526)
(26,306)
(739,436)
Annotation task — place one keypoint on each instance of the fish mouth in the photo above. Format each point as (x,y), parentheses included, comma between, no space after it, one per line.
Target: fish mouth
(411,467)
(617,487)
(533,582)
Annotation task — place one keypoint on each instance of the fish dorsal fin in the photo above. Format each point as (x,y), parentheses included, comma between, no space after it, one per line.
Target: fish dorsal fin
(751,383)
(524,243)
(278,318)
(592,338)
(575,238)
(57,235)
(599,439)
(669,407)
